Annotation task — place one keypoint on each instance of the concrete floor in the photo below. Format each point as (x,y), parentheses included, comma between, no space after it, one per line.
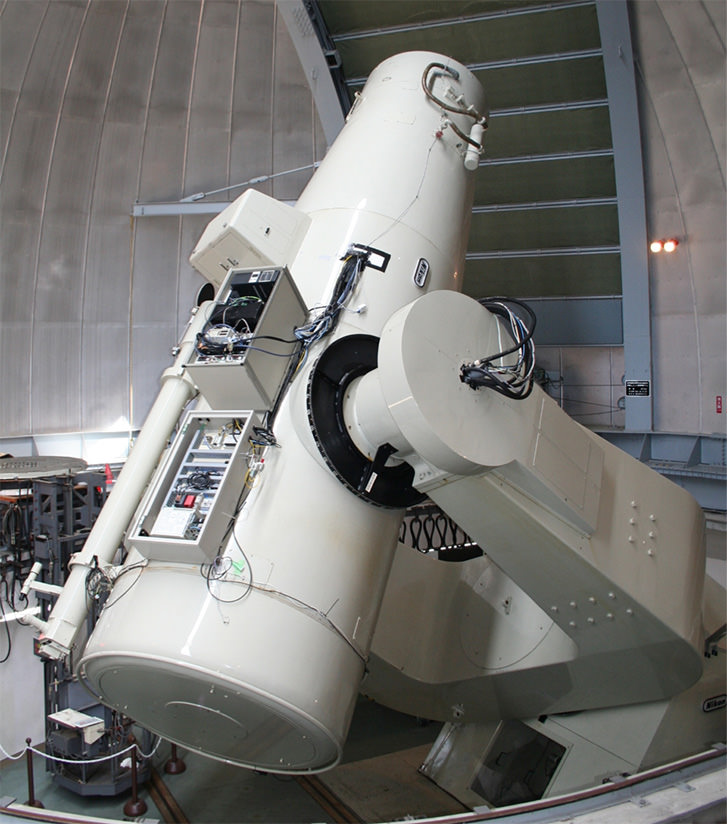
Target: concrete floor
(211,792)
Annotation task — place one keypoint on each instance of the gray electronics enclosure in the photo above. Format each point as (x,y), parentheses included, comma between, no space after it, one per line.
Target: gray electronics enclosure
(188,509)
(244,369)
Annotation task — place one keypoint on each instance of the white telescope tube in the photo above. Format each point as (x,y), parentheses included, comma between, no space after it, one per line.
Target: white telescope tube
(261,664)
(177,389)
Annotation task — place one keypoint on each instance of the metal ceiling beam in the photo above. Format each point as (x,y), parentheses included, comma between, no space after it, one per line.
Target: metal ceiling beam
(541,108)
(545,158)
(178,208)
(464,20)
(534,60)
(618,65)
(695,462)
(538,205)
(512,62)
(183,207)
(318,63)
(563,251)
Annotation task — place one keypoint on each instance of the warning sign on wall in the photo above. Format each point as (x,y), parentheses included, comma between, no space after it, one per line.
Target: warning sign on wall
(638,389)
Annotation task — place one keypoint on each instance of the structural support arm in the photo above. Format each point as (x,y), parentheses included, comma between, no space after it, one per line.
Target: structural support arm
(598,541)
(177,389)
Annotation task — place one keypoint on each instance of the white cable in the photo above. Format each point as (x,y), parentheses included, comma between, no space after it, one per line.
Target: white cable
(11,757)
(80,760)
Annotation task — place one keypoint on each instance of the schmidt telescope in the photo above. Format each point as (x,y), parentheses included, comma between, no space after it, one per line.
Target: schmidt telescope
(332,377)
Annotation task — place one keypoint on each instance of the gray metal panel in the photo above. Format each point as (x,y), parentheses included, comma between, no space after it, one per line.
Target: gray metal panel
(154,308)
(108,281)
(701,51)
(55,387)
(251,139)
(207,156)
(17,263)
(577,321)
(154,295)
(540,30)
(29,146)
(14,370)
(544,228)
(108,275)
(675,342)
(209,117)
(315,67)
(22,190)
(569,130)
(17,237)
(166,130)
(618,64)
(72,169)
(73,176)
(45,79)
(592,385)
(134,64)
(59,286)
(30,149)
(92,65)
(104,375)
(190,281)
(115,181)
(151,344)
(587,381)
(163,159)
(716,12)
(107,114)
(105,363)
(293,134)
(19,27)
(695,462)
(683,121)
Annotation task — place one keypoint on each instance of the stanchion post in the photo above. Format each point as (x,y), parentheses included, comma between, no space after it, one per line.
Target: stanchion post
(32,800)
(174,765)
(135,806)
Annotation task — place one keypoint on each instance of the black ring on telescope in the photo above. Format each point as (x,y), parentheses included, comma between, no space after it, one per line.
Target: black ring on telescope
(342,362)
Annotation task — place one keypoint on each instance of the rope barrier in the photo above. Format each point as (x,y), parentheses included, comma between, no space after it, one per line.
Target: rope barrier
(77,761)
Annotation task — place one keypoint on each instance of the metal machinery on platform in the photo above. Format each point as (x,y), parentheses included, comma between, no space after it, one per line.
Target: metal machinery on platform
(48,506)
(335,378)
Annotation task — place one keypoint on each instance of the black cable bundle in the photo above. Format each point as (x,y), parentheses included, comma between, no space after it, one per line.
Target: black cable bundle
(314,330)
(515,380)
(326,320)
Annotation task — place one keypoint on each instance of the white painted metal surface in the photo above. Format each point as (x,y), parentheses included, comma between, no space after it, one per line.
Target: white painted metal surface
(257,657)
(596,539)
(265,671)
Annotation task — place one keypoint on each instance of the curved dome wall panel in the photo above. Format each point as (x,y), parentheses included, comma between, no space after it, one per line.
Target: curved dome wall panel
(23,20)
(250,148)
(106,103)
(681,54)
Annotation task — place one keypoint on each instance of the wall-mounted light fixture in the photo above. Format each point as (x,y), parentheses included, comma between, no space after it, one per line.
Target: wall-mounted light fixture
(667,245)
